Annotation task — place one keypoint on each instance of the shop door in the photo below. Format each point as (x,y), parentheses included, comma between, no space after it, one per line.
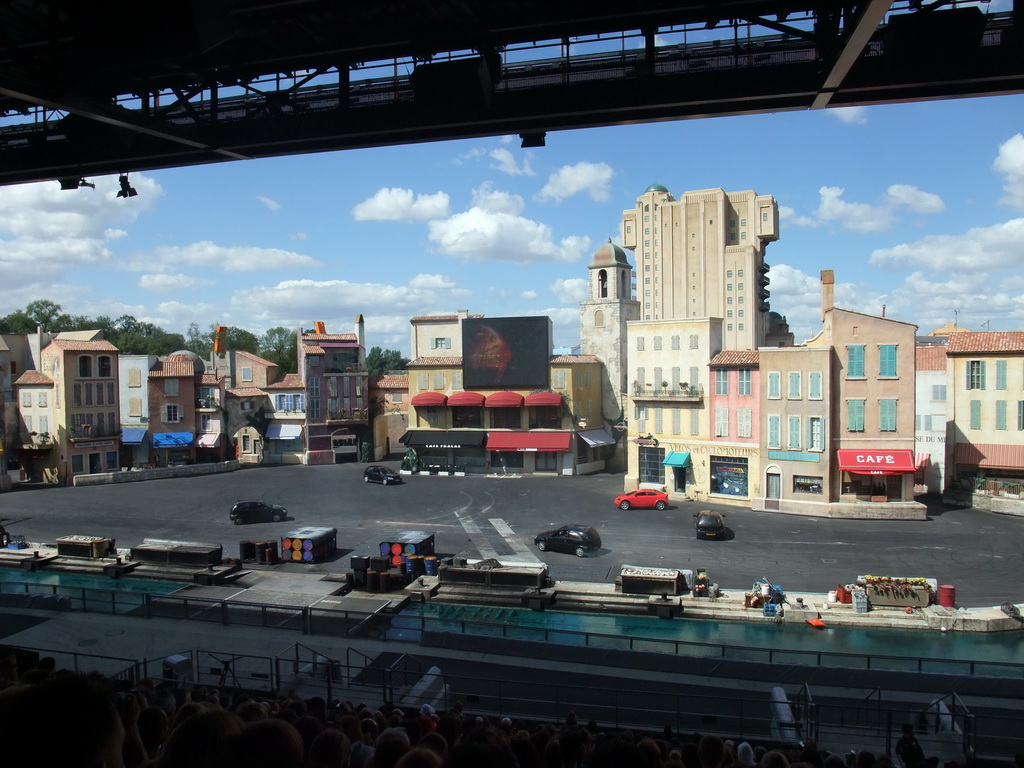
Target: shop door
(679,479)
(774,486)
(547,461)
(94,464)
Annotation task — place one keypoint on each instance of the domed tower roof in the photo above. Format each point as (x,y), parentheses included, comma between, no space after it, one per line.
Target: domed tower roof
(186,355)
(656,188)
(609,255)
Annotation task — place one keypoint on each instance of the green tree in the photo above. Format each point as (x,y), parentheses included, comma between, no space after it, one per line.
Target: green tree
(17,322)
(196,340)
(43,312)
(278,346)
(237,339)
(380,361)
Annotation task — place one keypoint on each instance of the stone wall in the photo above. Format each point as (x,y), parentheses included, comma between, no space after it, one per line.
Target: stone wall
(160,473)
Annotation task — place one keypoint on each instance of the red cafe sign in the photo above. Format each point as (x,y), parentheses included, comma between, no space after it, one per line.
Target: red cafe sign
(877,462)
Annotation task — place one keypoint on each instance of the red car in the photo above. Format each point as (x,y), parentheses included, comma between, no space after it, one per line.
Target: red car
(642,498)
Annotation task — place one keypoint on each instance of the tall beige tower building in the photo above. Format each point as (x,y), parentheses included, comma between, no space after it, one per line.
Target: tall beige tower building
(702,256)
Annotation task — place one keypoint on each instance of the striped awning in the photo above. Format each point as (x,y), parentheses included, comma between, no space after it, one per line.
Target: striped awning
(426,399)
(504,400)
(544,398)
(461,399)
(989,455)
(922,460)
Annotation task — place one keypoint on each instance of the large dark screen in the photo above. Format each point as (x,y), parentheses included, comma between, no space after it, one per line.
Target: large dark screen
(506,352)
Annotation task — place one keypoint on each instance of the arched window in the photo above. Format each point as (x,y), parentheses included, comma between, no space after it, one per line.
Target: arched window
(103,367)
(598,319)
(602,284)
(84,366)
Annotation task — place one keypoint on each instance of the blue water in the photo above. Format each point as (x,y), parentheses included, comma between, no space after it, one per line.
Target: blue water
(87,581)
(795,642)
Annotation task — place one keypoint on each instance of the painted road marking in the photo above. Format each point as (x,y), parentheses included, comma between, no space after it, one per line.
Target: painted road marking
(524,554)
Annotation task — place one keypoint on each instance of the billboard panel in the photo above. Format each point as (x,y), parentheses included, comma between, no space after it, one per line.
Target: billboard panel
(506,352)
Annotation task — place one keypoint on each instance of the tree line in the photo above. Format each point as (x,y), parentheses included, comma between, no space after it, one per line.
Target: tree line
(134,337)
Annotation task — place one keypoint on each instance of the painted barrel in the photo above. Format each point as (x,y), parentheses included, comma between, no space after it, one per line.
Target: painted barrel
(372,581)
(416,566)
(832,596)
(385,581)
(430,565)
(947,595)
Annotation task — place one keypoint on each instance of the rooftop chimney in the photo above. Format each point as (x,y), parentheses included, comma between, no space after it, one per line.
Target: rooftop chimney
(828,291)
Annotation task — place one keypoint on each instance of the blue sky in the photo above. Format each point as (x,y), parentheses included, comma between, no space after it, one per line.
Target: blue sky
(917,207)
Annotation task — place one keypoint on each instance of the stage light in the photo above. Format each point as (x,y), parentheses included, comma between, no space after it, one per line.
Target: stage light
(75,183)
(532,140)
(127,190)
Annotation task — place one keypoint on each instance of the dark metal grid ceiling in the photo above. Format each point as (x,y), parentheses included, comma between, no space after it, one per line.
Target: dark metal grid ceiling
(105,87)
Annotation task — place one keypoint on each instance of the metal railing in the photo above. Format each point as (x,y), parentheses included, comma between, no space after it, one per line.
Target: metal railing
(410,627)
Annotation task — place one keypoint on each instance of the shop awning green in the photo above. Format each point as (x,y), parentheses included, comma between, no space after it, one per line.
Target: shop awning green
(677,459)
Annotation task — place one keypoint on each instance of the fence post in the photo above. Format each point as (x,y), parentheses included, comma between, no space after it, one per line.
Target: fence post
(224,612)
(307,621)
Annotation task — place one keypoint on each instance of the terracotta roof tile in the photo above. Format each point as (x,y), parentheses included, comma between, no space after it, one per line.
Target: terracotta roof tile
(212,378)
(731,357)
(82,345)
(310,349)
(439,362)
(574,359)
(390,381)
(289,381)
(33,377)
(169,369)
(963,343)
(438,318)
(246,392)
(328,337)
(930,357)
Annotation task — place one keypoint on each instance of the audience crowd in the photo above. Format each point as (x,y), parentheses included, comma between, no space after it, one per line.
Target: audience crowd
(82,720)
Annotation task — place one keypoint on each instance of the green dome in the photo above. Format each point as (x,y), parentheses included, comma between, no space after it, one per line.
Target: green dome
(609,255)
(656,188)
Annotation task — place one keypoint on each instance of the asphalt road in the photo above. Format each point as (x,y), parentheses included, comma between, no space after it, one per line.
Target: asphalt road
(978,552)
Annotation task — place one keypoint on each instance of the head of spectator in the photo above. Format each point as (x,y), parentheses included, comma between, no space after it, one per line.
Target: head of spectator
(391,744)
(482,746)
(153,729)
(652,750)
(745,755)
(426,724)
(436,742)
(91,732)
(711,751)
(864,759)
(833,761)
(420,757)
(270,743)
(615,753)
(774,759)
(309,728)
(330,749)
(251,711)
(203,740)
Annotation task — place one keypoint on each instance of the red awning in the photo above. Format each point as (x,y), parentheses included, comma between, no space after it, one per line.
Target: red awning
(466,399)
(922,460)
(429,398)
(989,455)
(504,400)
(879,462)
(543,398)
(528,441)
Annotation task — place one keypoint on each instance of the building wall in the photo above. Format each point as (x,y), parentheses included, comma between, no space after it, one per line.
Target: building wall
(426,331)
(930,428)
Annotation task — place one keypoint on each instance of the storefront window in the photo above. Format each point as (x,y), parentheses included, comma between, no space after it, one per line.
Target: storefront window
(729,476)
(77,464)
(807,484)
(651,469)
(506,418)
(467,417)
(546,417)
(501,460)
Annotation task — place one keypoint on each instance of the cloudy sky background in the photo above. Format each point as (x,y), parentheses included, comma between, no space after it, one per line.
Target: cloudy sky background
(919,208)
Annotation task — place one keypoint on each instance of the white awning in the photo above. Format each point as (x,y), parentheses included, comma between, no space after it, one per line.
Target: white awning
(596,437)
(284,432)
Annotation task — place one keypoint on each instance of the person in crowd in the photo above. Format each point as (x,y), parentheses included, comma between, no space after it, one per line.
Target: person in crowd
(711,752)
(391,745)
(330,749)
(153,728)
(361,753)
(420,757)
(206,739)
(908,749)
(270,743)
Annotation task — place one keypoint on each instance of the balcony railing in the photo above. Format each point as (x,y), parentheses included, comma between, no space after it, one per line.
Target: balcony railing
(86,431)
(207,402)
(37,440)
(671,392)
(355,414)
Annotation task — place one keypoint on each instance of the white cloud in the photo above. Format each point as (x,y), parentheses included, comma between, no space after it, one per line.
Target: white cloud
(164,283)
(486,198)
(569,180)
(789,215)
(484,235)
(859,217)
(528,295)
(1010,163)
(505,162)
(224,258)
(298,236)
(431,282)
(571,290)
(914,199)
(394,204)
(849,115)
(994,248)
(271,204)
(114,234)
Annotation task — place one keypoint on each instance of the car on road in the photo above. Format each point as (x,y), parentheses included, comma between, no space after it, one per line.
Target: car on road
(644,498)
(574,539)
(710,524)
(256,511)
(383,475)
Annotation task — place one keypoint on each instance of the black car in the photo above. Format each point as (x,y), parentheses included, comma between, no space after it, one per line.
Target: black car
(255,511)
(710,524)
(574,539)
(378,474)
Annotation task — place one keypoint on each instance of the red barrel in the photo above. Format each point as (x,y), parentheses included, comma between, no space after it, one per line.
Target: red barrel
(947,595)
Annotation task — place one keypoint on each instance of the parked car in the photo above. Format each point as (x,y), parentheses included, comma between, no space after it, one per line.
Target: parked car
(643,498)
(256,511)
(383,475)
(710,524)
(574,539)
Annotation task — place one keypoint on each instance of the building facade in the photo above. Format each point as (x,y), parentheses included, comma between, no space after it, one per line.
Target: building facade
(389,408)
(133,382)
(930,421)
